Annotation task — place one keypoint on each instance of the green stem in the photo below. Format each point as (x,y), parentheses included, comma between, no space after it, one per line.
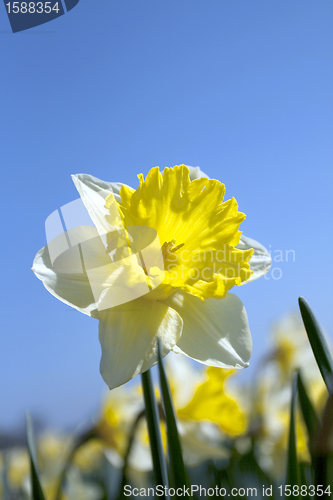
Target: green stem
(154,431)
(123,481)
(178,473)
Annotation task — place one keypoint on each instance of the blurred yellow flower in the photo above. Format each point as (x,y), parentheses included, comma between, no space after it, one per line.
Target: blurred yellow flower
(206,415)
(18,467)
(210,402)
(89,456)
(270,397)
(52,450)
(196,255)
(119,411)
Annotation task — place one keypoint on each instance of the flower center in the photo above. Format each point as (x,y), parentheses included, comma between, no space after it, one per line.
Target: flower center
(169,247)
(196,215)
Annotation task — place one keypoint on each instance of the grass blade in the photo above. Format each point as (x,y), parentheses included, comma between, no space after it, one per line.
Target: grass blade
(309,414)
(154,431)
(292,478)
(178,474)
(318,343)
(37,492)
(322,448)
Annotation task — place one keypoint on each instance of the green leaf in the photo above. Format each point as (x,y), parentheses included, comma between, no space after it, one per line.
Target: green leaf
(292,464)
(112,481)
(318,343)
(322,445)
(306,474)
(37,492)
(330,469)
(154,431)
(243,471)
(252,473)
(178,473)
(309,414)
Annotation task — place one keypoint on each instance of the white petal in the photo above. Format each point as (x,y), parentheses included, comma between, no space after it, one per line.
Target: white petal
(215,332)
(115,460)
(182,368)
(65,276)
(140,455)
(196,173)
(201,441)
(261,260)
(93,193)
(128,336)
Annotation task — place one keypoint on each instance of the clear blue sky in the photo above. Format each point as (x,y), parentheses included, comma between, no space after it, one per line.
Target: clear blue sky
(241,88)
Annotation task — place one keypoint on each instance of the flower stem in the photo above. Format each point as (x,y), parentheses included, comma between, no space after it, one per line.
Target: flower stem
(178,474)
(152,415)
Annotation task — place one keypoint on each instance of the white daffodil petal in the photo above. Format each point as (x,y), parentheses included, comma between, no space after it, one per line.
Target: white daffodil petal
(128,336)
(196,173)
(201,441)
(140,456)
(215,332)
(181,368)
(93,193)
(261,260)
(65,276)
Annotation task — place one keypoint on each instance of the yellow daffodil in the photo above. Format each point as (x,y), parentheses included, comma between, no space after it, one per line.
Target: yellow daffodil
(18,467)
(178,290)
(52,450)
(271,396)
(210,402)
(119,411)
(76,488)
(207,413)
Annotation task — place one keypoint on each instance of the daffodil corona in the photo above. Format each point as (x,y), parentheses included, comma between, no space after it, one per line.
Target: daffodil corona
(160,262)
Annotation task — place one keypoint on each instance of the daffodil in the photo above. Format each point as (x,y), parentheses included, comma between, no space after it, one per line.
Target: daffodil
(210,402)
(207,414)
(119,411)
(177,290)
(208,411)
(270,397)
(18,467)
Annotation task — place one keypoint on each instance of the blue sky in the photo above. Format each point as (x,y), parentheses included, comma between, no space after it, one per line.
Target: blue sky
(242,89)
